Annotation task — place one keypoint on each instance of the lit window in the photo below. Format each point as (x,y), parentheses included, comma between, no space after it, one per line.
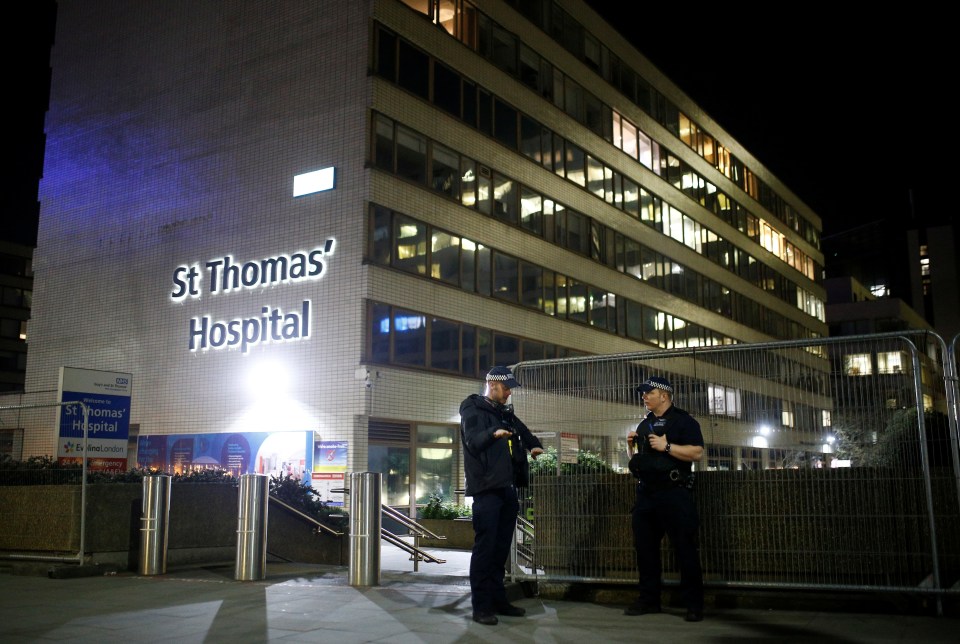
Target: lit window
(890,362)
(724,401)
(857,364)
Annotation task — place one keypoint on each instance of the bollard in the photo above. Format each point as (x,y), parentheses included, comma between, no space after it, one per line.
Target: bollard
(254,496)
(365,529)
(154,522)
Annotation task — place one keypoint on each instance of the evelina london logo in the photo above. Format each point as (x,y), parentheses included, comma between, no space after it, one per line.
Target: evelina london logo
(69,447)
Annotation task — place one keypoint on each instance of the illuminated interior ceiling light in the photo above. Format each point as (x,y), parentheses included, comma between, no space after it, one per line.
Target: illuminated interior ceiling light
(311,182)
(765,430)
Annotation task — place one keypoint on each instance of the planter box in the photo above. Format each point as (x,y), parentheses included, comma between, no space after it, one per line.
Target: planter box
(458,533)
(45,520)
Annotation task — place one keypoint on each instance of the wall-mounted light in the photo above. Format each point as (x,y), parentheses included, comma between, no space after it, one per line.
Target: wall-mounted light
(311,182)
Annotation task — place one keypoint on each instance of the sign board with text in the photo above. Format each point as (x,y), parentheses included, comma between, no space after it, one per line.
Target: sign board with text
(107,397)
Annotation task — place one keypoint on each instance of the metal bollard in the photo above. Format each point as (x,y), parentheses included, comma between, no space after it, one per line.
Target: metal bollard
(365,529)
(154,522)
(251,563)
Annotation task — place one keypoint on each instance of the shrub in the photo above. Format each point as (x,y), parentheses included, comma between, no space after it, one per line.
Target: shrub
(587,462)
(438,508)
(297,494)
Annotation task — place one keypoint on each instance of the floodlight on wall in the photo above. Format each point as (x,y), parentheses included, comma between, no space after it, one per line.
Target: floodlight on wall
(311,182)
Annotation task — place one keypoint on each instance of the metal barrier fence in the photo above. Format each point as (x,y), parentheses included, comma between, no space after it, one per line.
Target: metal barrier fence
(828,464)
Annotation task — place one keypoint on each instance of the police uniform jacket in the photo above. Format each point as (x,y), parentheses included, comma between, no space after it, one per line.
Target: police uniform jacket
(655,467)
(491,463)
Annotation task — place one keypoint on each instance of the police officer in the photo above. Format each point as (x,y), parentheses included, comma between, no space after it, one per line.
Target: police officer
(667,442)
(495,444)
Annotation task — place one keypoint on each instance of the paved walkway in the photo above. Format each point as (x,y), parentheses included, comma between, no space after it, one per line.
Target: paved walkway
(308,603)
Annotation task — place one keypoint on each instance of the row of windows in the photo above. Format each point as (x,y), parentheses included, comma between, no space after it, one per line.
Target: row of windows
(402,242)
(407,338)
(18,297)
(569,33)
(398,59)
(629,138)
(412,156)
(508,52)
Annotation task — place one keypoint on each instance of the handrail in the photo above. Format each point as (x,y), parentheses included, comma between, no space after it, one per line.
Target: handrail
(528,554)
(309,518)
(418,554)
(420,530)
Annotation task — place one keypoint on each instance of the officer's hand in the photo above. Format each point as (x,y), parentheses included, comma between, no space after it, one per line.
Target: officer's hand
(502,433)
(535,452)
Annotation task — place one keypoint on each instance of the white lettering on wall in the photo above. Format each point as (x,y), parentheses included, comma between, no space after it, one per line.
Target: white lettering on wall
(225,275)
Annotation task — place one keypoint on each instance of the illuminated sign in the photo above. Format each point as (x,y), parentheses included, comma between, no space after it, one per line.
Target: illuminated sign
(224,275)
(311,182)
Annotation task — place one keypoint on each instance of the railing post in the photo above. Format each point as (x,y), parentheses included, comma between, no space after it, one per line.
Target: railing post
(154,523)
(251,563)
(365,528)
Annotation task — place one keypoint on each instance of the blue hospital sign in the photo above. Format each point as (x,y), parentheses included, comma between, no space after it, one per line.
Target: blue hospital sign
(106,395)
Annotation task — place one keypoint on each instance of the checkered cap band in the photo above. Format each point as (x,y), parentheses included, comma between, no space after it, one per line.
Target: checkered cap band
(652,383)
(508,376)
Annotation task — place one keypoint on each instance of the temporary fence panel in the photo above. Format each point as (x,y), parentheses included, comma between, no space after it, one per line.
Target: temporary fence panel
(816,472)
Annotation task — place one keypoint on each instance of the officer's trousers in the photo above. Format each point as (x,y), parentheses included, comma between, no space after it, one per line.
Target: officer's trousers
(673,512)
(494,526)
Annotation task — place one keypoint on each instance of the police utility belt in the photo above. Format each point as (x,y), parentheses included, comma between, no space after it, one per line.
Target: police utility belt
(656,481)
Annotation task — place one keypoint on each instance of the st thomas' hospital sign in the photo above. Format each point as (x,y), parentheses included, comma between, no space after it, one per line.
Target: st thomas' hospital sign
(224,275)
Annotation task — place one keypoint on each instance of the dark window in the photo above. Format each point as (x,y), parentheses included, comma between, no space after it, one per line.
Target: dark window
(530,139)
(506,349)
(468,351)
(504,54)
(634,320)
(446,89)
(531,286)
(444,345)
(470,104)
(411,155)
(485,112)
(387,54)
(505,124)
(381,244)
(505,277)
(383,143)
(414,70)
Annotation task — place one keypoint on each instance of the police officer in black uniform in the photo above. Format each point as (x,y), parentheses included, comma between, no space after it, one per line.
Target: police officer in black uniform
(667,442)
(495,444)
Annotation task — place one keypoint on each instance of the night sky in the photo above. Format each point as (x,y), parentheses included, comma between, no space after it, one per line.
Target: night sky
(848,109)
